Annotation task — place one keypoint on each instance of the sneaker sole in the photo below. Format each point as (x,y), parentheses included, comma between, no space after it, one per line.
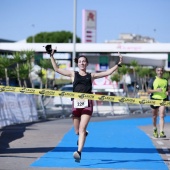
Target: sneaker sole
(155,136)
(162,136)
(76,156)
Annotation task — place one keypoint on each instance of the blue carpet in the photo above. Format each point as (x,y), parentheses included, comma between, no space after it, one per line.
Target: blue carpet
(116,144)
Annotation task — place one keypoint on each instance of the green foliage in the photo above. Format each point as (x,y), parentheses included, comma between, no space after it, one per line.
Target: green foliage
(17,57)
(137,68)
(46,64)
(28,55)
(53,37)
(166,75)
(134,64)
(24,71)
(2,73)
(143,71)
(152,73)
(115,77)
(5,62)
(123,70)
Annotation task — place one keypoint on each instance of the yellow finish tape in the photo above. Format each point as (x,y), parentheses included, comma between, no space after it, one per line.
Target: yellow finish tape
(120,99)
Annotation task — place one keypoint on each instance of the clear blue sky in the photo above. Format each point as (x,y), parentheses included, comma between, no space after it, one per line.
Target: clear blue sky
(113,17)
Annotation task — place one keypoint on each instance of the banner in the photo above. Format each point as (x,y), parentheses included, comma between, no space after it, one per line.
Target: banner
(17,108)
(120,99)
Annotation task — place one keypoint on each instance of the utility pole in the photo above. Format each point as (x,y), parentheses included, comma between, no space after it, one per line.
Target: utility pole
(74,33)
(33,38)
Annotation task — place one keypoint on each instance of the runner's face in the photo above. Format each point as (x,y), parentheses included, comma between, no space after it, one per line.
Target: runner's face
(159,72)
(82,63)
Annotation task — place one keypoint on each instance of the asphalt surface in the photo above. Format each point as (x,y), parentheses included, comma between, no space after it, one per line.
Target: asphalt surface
(21,145)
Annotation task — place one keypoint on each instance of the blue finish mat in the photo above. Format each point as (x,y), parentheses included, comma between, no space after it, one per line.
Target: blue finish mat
(116,144)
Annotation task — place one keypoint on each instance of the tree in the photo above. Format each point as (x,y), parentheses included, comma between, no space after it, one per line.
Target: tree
(5,62)
(123,71)
(45,64)
(115,77)
(23,72)
(143,73)
(135,66)
(166,75)
(18,59)
(29,55)
(53,37)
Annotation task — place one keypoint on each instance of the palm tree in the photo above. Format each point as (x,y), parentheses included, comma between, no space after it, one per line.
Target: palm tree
(2,70)
(45,64)
(143,72)
(166,75)
(24,73)
(5,62)
(18,58)
(29,56)
(123,71)
(115,77)
(135,66)
(151,73)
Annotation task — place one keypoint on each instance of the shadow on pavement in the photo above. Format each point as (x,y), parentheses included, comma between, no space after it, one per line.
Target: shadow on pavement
(112,149)
(86,149)
(14,132)
(26,150)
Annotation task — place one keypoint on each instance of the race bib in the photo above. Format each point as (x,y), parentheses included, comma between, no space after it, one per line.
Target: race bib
(80,103)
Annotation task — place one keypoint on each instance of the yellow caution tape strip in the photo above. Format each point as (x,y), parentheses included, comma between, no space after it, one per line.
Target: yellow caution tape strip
(84,96)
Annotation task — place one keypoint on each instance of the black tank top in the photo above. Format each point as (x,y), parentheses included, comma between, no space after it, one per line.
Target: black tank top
(82,84)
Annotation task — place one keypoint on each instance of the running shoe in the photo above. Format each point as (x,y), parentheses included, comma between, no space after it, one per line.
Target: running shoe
(155,133)
(86,135)
(162,135)
(77,156)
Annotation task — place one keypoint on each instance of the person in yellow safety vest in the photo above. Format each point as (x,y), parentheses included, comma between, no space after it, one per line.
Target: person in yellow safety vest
(158,89)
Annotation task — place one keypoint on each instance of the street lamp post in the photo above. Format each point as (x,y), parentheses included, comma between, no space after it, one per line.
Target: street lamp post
(74,33)
(154,34)
(33,38)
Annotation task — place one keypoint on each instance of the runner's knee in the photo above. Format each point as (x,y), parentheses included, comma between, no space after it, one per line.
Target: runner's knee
(82,131)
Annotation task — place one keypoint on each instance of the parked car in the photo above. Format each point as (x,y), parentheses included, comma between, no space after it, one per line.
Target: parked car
(63,101)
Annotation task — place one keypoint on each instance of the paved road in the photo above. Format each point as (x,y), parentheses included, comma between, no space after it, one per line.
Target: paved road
(23,145)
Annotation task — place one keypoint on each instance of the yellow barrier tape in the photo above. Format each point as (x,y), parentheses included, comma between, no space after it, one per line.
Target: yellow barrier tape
(84,96)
